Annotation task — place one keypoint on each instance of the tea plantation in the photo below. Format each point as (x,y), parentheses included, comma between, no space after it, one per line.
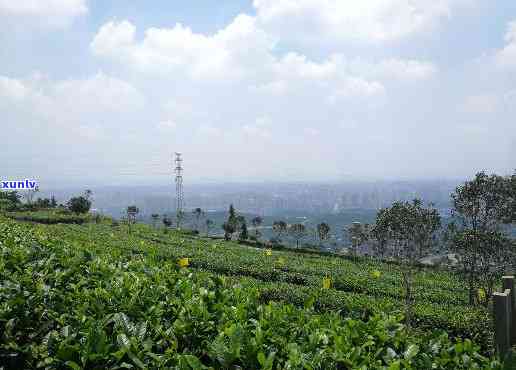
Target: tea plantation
(95,296)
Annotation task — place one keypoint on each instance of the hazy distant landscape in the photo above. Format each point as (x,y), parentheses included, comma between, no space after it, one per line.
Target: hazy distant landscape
(311,203)
(266,199)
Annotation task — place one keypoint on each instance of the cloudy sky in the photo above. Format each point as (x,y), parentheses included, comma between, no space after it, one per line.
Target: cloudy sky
(98,91)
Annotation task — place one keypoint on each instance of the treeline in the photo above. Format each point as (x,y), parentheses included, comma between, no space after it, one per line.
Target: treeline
(13,201)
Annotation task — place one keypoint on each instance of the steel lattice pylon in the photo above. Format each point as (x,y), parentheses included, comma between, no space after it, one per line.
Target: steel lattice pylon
(178,170)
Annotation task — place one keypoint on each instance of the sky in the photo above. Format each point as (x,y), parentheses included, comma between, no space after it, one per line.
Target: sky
(103,92)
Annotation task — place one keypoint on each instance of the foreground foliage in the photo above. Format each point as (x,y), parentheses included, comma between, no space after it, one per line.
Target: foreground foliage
(71,304)
(360,287)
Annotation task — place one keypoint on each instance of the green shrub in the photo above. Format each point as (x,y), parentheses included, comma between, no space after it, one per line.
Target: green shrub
(76,305)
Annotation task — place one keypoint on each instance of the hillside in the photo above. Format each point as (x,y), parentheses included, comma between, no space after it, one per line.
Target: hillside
(94,296)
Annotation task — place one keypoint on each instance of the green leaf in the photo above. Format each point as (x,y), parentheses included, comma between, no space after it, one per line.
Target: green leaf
(73,365)
(411,352)
(193,362)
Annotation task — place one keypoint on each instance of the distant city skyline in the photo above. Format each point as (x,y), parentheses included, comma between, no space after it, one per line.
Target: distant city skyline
(263,198)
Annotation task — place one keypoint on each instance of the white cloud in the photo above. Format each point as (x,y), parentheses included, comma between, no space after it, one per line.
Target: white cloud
(90,132)
(209,131)
(402,70)
(484,103)
(261,128)
(47,13)
(356,87)
(242,53)
(507,56)
(509,99)
(356,21)
(100,92)
(231,52)
(12,89)
(70,102)
(167,125)
(310,131)
(113,36)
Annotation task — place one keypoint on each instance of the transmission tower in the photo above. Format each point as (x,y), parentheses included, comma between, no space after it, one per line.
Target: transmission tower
(178,170)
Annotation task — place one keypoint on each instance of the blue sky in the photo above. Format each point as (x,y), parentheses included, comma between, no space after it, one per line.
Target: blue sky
(105,91)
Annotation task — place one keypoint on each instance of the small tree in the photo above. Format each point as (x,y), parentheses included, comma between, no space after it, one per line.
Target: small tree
(323,232)
(79,205)
(412,229)
(167,221)
(480,208)
(198,214)
(53,202)
(180,216)
(358,234)
(9,200)
(29,195)
(42,203)
(229,230)
(257,222)
(510,217)
(279,228)
(231,225)
(484,254)
(298,232)
(132,212)
(244,235)
(155,218)
(379,235)
(209,224)
(87,194)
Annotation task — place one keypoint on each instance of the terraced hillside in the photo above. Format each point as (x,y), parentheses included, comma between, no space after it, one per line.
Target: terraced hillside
(95,296)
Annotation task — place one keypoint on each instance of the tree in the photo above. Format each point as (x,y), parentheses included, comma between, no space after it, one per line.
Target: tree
(87,194)
(484,257)
(257,222)
(53,202)
(512,192)
(279,228)
(229,230)
(379,235)
(412,230)
(132,212)
(29,195)
(79,205)
(155,218)
(167,222)
(480,209)
(358,234)
(231,225)
(244,235)
(41,203)
(198,213)
(10,200)
(209,224)
(298,232)
(323,231)
(180,216)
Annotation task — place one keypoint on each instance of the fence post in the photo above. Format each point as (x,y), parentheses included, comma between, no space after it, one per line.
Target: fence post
(508,283)
(501,317)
